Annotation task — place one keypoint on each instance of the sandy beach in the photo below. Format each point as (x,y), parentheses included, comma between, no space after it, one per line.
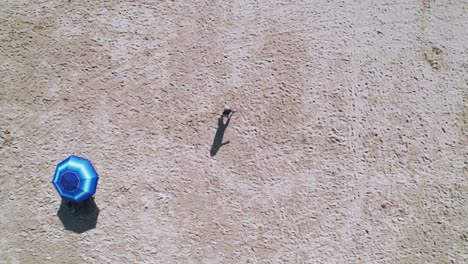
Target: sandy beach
(350,144)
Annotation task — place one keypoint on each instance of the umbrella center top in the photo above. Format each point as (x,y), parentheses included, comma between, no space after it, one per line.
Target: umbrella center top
(69,181)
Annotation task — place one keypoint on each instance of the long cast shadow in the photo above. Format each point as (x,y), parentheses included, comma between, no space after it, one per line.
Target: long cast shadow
(218,140)
(80,220)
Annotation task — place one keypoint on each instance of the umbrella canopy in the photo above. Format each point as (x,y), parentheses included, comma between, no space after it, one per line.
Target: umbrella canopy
(75,179)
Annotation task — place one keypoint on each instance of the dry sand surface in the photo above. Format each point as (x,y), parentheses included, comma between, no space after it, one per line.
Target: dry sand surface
(350,144)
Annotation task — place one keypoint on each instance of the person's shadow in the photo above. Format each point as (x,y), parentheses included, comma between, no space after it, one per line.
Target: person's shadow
(218,140)
(80,219)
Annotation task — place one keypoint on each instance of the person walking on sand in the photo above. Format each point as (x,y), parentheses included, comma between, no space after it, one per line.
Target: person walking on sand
(76,206)
(228,111)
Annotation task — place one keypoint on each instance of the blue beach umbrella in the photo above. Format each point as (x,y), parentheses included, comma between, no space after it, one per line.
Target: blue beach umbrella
(75,179)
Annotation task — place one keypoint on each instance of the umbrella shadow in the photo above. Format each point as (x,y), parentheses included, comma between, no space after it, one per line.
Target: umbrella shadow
(218,139)
(80,219)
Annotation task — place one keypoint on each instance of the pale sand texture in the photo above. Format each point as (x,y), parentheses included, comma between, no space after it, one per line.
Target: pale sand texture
(343,105)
